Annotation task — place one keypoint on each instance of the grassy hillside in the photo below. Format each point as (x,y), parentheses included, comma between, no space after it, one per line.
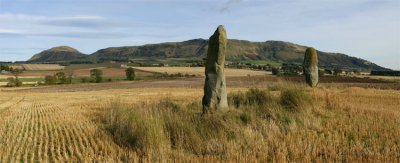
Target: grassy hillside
(57,54)
(194,51)
(238,50)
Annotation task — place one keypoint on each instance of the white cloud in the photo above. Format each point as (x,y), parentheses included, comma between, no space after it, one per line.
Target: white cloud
(66,21)
(89,27)
(9,31)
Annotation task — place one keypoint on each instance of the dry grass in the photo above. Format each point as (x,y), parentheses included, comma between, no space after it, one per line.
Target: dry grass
(388,78)
(199,71)
(42,67)
(340,124)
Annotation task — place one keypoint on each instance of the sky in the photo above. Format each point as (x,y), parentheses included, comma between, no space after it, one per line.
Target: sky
(368,29)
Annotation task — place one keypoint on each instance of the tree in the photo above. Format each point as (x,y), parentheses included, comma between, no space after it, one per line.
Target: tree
(321,73)
(4,67)
(16,72)
(130,73)
(291,69)
(84,80)
(275,71)
(50,79)
(11,82)
(60,76)
(329,72)
(14,82)
(337,71)
(96,75)
(70,75)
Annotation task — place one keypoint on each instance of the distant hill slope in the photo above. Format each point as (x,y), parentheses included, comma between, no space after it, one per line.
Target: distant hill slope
(57,54)
(238,50)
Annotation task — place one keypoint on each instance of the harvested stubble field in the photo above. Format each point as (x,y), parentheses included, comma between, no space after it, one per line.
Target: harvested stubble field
(339,124)
(42,67)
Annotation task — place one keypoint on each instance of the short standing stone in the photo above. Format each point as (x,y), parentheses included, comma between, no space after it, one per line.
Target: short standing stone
(215,97)
(310,67)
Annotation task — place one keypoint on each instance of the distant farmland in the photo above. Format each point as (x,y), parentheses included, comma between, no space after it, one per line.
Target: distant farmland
(42,67)
(199,71)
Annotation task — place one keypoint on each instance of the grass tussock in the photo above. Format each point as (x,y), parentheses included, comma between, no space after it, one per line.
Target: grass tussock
(155,129)
(290,124)
(295,99)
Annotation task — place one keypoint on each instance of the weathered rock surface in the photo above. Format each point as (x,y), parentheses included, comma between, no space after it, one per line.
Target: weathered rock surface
(215,97)
(310,67)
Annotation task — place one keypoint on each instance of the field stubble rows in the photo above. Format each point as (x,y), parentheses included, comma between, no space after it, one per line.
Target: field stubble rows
(46,132)
(66,128)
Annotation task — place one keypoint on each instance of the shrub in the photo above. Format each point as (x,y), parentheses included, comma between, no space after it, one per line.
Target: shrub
(130,73)
(321,73)
(245,118)
(14,82)
(84,80)
(257,97)
(58,78)
(294,99)
(50,79)
(275,71)
(5,67)
(337,71)
(237,99)
(253,96)
(61,77)
(96,75)
(69,80)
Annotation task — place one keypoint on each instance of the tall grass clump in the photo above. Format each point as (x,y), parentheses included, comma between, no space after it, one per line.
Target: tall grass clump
(295,99)
(159,129)
(253,96)
(285,125)
(137,128)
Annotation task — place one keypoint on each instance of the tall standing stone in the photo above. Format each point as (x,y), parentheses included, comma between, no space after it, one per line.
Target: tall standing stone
(310,67)
(215,97)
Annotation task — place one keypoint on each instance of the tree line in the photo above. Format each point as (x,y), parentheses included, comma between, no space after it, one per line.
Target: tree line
(385,73)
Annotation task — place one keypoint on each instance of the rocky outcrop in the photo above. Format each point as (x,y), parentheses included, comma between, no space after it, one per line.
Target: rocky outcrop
(215,97)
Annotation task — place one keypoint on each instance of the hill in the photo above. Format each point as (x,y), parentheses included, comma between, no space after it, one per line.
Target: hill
(238,50)
(273,52)
(57,54)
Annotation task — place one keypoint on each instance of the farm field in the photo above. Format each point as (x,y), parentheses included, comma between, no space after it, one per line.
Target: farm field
(37,72)
(199,71)
(66,123)
(41,67)
(389,78)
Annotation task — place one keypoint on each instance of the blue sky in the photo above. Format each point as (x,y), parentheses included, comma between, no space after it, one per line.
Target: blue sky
(368,29)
